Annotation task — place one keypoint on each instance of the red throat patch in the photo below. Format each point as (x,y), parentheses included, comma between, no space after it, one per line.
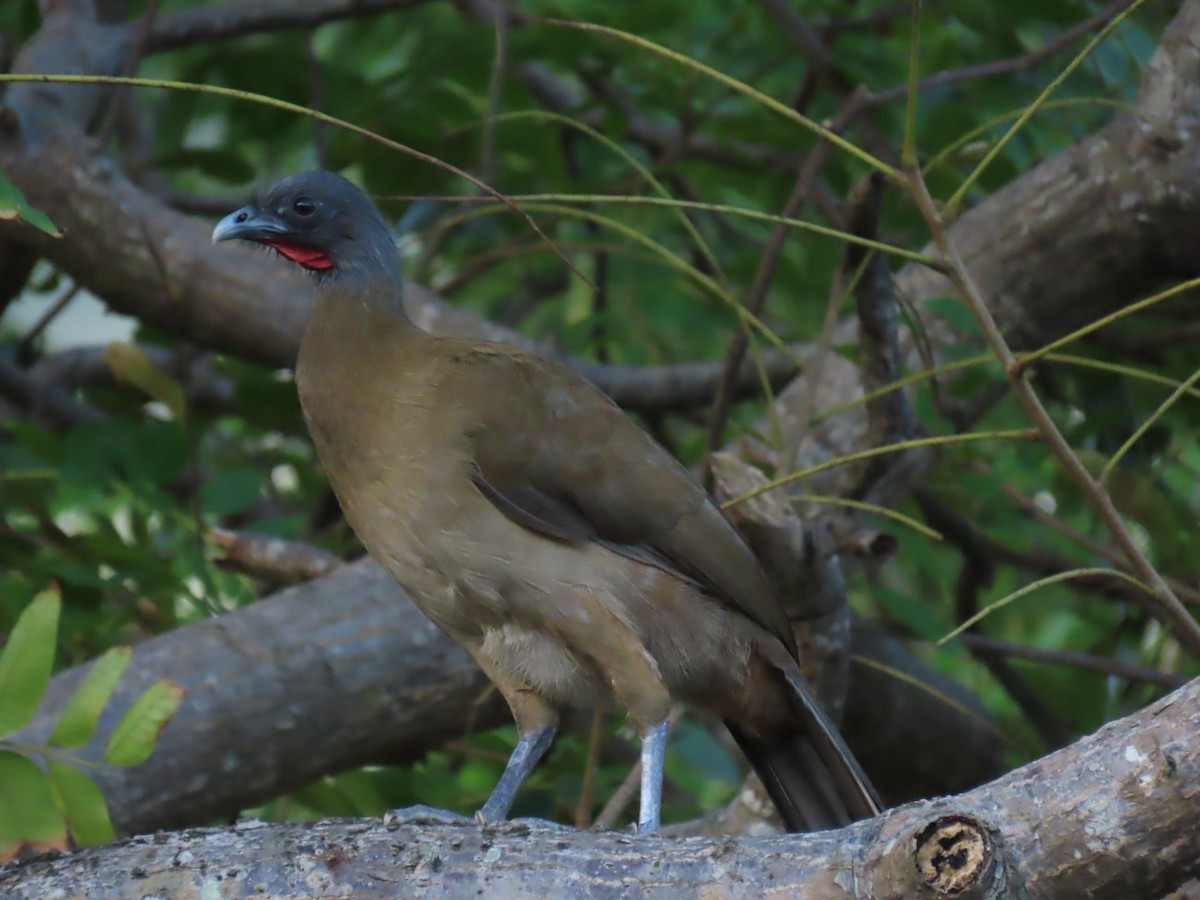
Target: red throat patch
(309,257)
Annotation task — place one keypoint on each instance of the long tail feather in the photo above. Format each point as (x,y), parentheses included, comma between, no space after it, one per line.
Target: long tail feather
(810,775)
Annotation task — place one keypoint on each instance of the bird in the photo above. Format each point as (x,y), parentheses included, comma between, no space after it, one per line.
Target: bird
(571,555)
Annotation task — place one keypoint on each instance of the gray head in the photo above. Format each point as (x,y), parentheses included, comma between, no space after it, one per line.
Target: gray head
(323,223)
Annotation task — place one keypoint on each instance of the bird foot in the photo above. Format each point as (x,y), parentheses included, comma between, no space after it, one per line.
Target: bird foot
(422,815)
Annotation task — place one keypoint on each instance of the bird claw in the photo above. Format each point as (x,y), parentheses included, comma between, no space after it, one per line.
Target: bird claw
(517,826)
(526,825)
(421,815)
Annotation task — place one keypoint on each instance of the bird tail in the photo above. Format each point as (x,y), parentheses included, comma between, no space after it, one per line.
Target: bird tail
(810,774)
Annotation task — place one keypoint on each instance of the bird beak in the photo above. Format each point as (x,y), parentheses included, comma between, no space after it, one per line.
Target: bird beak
(248,224)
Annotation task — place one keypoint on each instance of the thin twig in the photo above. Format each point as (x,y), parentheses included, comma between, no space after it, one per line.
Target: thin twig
(44,400)
(1075,659)
(487,156)
(25,346)
(1185,592)
(583,809)
(620,798)
(628,788)
(759,288)
(1001,66)
(140,43)
(274,559)
(316,93)
(976,575)
(890,418)
(204,24)
(756,298)
(1166,603)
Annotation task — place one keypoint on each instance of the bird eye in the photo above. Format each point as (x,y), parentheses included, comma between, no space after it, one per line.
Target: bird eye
(304,206)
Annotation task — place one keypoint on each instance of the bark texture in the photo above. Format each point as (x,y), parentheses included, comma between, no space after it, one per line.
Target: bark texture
(1116,815)
(299,683)
(345,671)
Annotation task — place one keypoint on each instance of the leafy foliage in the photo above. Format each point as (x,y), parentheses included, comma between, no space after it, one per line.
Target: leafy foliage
(39,807)
(117,511)
(14,206)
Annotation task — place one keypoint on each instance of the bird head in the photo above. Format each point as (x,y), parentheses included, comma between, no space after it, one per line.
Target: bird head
(321,222)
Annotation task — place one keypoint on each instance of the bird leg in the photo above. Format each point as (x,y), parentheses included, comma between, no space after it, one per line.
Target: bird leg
(654,754)
(530,748)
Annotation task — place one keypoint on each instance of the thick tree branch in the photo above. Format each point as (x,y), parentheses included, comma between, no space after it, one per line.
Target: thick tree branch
(244,302)
(344,671)
(1115,815)
(1127,231)
(340,672)
(1078,236)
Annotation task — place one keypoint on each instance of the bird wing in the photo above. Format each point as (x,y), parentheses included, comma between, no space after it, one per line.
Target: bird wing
(557,456)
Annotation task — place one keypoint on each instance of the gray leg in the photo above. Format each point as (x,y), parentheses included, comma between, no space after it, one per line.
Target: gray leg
(525,756)
(654,754)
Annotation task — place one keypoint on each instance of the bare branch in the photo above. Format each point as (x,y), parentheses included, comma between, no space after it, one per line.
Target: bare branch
(1003,66)
(890,417)
(380,684)
(561,96)
(340,672)
(1074,238)
(246,303)
(1103,664)
(43,401)
(85,366)
(1166,605)
(1063,827)
(277,561)
(756,297)
(196,25)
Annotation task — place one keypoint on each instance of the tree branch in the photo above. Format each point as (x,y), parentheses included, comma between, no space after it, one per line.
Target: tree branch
(1064,827)
(1102,664)
(1077,237)
(42,401)
(1001,66)
(196,25)
(339,672)
(380,684)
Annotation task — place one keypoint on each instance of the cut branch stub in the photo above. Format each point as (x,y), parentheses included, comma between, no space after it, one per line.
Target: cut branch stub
(955,857)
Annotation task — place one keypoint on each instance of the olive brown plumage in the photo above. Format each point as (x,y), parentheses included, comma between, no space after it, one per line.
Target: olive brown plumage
(537,525)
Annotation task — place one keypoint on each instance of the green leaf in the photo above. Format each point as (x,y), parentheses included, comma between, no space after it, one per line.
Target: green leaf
(954,311)
(27,659)
(81,802)
(78,721)
(130,365)
(231,491)
(27,810)
(14,206)
(134,737)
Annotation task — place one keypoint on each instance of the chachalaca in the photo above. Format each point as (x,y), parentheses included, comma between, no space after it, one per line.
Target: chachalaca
(570,554)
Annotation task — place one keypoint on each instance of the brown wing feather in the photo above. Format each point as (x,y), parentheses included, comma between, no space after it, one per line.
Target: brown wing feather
(558,457)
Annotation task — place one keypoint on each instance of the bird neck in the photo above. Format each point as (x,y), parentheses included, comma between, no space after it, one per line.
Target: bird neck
(350,294)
